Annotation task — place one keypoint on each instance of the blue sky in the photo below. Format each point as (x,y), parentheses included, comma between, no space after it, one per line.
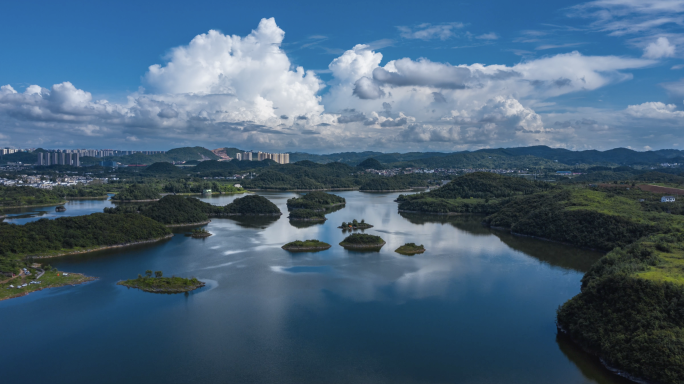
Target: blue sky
(388,76)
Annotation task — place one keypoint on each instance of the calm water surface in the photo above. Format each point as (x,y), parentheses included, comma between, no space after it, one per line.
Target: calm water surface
(477,307)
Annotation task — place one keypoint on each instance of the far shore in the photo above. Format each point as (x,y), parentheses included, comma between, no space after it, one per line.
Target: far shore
(188,224)
(33,205)
(43,256)
(105,197)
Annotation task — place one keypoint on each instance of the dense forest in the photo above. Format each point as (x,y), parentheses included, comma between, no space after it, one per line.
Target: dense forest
(362,239)
(314,200)
(251,205)
(20,196)
(137,192)
(68,233)
(478,192)
(81,191)
(169,210)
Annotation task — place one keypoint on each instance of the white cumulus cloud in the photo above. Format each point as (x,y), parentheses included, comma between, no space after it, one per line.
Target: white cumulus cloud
(659,48)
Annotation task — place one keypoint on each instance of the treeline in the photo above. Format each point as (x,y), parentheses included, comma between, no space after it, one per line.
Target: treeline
(185,186)
(314,200)
(633,323)
(581,217)
(67,233)
(138,192)
(81,191)
(397,182)
(471,193)
(17,196)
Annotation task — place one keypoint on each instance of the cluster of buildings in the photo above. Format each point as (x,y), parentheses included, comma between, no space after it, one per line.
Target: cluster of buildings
(45,182)
(59,158)
(9,151)
(280,158)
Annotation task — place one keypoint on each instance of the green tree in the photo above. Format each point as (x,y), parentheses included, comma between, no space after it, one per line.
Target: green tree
(148,273)
(158,273)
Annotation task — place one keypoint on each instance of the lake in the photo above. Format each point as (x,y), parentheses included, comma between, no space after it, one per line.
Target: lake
(477,307)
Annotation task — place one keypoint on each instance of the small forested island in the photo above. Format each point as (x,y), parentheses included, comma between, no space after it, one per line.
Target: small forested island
(317,201)
(39,278)
(15,197)
(313,206)
(252,205)
(306,246)
(354,224)
(363,241)
(160,284)
(410,249)
(200,233)
(60,208)
(137,193)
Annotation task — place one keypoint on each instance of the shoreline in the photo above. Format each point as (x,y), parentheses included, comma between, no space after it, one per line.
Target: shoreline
(305,249)
(245,214)
(362,246)
(85,279)
(617,371)
(33,205)
(135,201)
(105,197)
(188,224)
(301,190)
(100,248)
(441,213)
(162,290)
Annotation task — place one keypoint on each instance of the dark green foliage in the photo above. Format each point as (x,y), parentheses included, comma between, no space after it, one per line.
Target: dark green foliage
(64,233)
(18,196)
(164,168)
(161,284)
(396,183)
(82,191)
(252,205)
(362,239)
(545,215)
(314,200)
(443,206)
(177,210)
(214,165)
(635,324)
(370,163)
(184,186)
(306,244)
(280,181)
(137,192)
(487,185)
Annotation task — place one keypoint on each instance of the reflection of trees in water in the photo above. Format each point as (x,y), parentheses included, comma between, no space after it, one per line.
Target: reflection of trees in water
(557,255)
(469,223)
(304,223)
(589,365)
(261,222)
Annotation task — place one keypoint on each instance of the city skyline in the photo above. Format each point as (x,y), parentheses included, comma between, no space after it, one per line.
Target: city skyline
(442,77)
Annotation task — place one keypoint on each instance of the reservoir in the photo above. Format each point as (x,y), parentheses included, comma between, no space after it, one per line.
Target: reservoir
(477,307)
